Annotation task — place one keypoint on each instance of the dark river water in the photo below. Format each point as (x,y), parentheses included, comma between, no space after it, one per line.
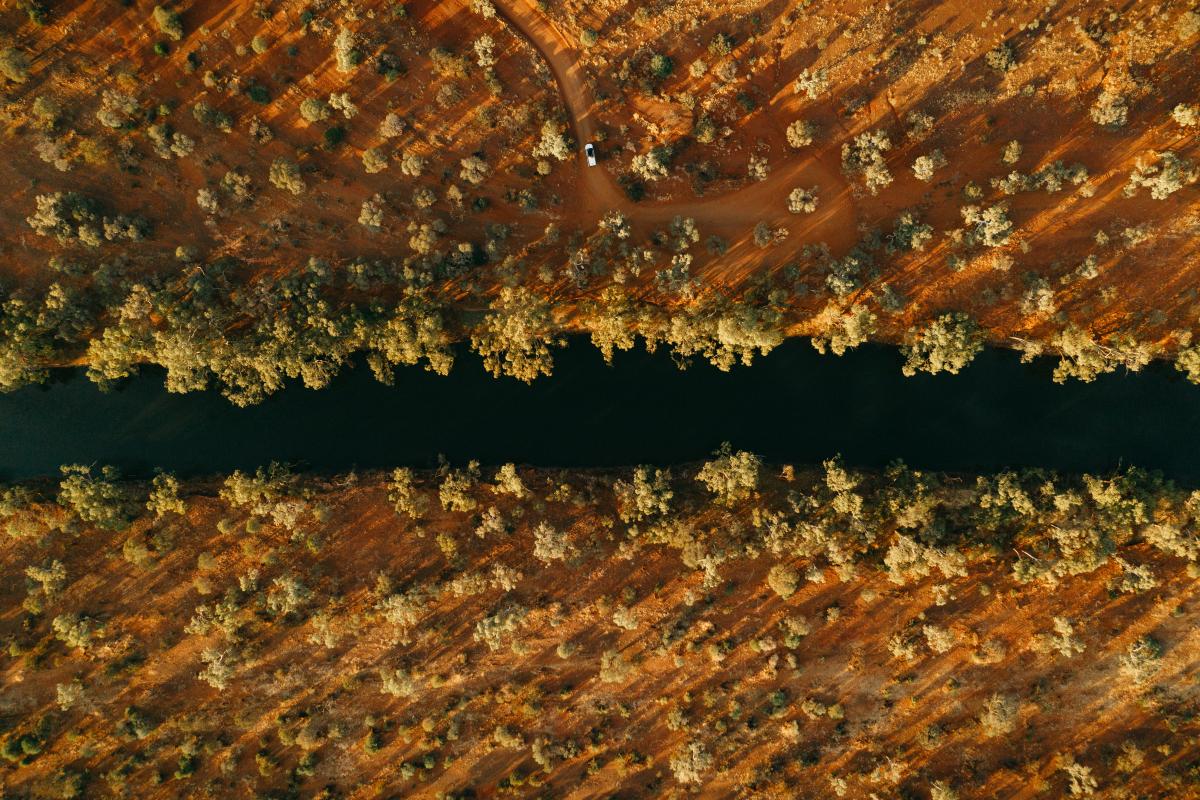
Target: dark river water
(793,406)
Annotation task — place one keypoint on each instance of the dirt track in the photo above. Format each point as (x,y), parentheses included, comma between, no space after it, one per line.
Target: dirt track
(727,212)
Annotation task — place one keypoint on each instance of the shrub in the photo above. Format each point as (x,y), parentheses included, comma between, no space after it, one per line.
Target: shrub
(398,682)
(689,762)
(314,109)
(947,344)
(924,166)
(474,170)
(1188,25)
(613,668)
(992,226)
(730,476)
(1187,115)
(1110,110)
(801,133)
(484,8)
(1140,661)
(999,715)
(169,22)
(551,544)
(553,144)
(374,160)
(783,580)
(14,64)
(1163,179)
(345,51)
(285,174)
(811,83)
(648,495)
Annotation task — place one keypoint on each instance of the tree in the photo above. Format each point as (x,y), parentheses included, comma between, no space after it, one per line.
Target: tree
(843,330)
(730,476)
(653,165)
(1012,152)
(648,495)
(1110,110)
(1186,115)
(550,544)
(455,489)
(393,125)
(516,335)
(98,499)
(1002,57)
(864,157)
(947,344)
(661,65)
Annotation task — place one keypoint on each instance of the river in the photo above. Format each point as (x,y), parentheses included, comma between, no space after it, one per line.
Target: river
(793,406)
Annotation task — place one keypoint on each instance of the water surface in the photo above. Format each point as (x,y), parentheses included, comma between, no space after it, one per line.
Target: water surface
(792,406)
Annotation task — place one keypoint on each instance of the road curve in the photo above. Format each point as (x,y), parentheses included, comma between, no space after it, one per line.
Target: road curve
(760,201)
(554,46)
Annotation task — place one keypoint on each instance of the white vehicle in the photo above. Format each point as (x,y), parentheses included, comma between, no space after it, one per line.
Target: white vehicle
(589,150)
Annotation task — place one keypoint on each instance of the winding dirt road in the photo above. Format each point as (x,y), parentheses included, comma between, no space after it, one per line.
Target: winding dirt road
(727,212)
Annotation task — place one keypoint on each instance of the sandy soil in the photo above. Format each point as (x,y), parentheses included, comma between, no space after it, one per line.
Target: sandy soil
(881,66)
(879,691)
